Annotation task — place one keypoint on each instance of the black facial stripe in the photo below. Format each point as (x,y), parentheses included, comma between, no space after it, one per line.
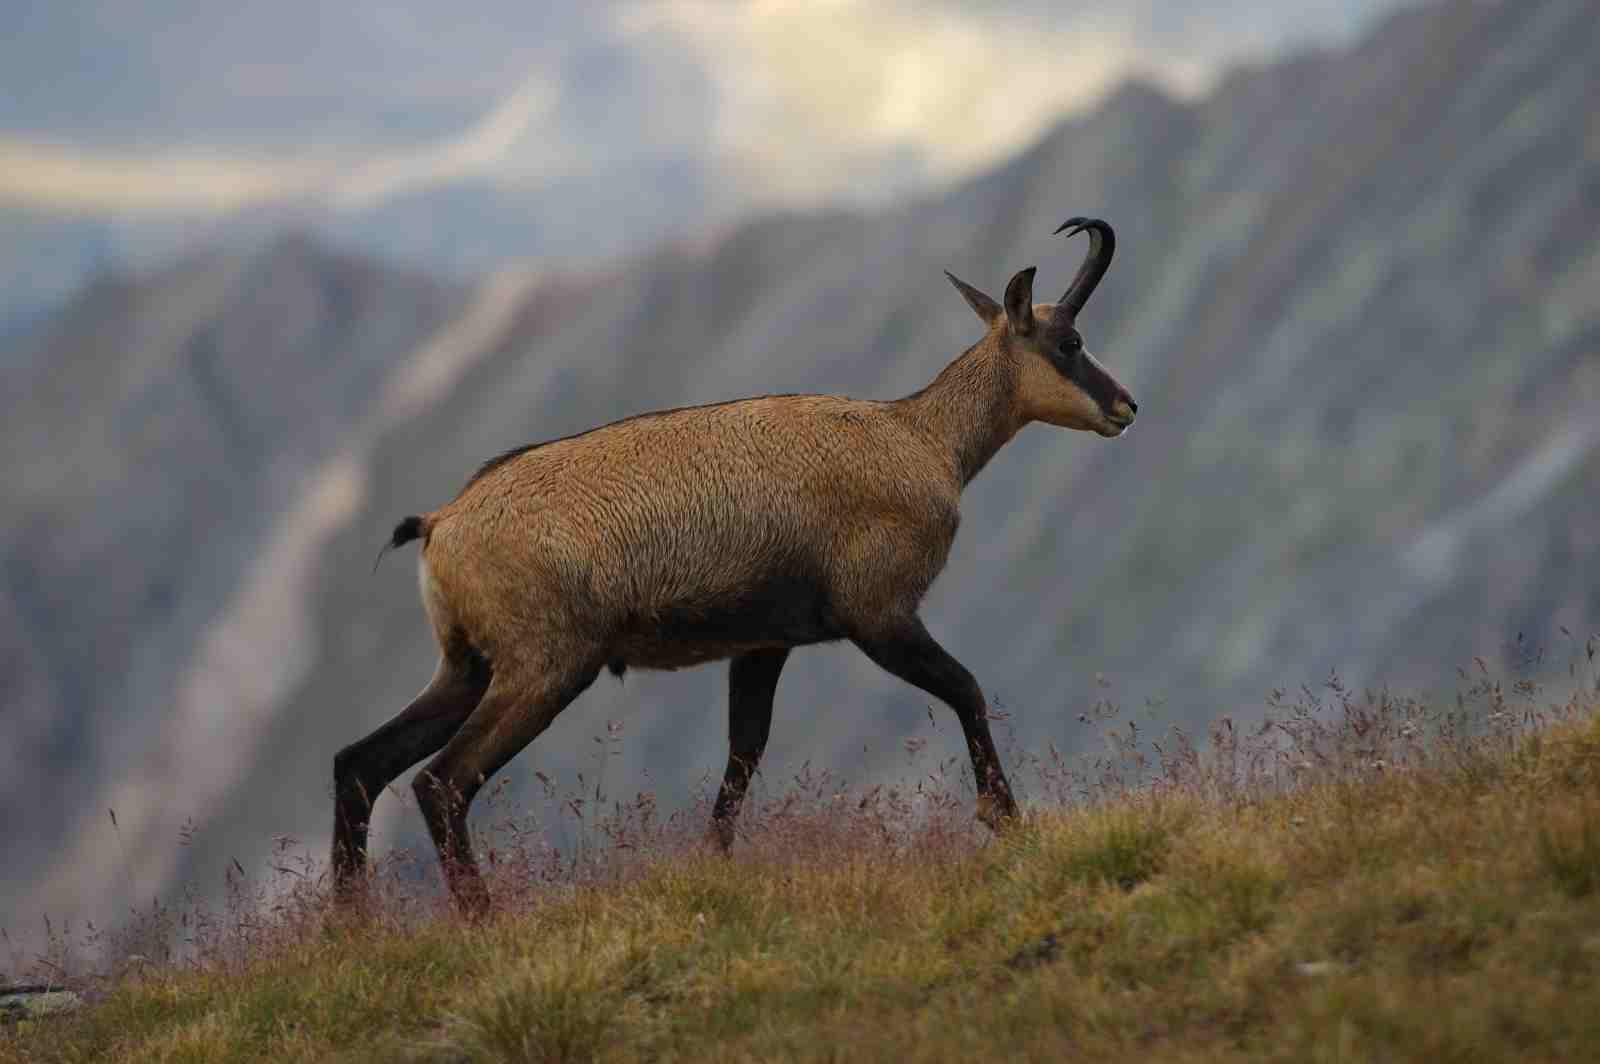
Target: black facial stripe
(1096,382)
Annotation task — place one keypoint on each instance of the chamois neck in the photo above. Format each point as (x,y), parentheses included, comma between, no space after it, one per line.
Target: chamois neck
(969,407)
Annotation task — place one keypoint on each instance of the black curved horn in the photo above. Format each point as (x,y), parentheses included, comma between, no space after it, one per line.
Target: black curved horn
(1102,244)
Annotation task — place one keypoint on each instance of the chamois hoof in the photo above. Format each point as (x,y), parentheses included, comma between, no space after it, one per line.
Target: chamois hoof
(997,815)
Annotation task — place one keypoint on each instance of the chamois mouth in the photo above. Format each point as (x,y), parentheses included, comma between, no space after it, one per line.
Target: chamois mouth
(1119,414)
(1115,426)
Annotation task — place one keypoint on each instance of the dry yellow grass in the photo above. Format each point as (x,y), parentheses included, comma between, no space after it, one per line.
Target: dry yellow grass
(1441,904)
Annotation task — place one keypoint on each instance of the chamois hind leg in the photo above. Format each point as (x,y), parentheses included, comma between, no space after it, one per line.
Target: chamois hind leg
(521,701)
(363,769)
(752,682)
(909,652)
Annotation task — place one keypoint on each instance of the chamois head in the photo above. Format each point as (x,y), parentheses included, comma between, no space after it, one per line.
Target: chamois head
(1058,380)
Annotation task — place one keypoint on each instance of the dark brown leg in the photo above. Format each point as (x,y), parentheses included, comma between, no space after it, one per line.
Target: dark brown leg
(752,681)
(515,709)
(363,769)
(910,653)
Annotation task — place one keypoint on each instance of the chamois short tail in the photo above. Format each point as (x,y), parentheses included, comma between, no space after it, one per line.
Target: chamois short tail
(410,528)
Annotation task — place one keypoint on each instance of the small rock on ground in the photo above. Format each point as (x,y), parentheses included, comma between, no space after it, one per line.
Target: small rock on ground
(34,1002)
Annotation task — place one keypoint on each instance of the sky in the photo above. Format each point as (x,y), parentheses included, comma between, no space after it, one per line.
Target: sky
(188,107)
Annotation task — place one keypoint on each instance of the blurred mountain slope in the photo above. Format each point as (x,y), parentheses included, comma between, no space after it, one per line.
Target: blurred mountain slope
(1355,295)
(152,430)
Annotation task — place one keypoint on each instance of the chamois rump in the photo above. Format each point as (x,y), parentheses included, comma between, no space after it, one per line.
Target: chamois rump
(738,530)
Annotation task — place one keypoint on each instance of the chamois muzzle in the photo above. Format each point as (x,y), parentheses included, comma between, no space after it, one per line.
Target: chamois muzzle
(1102,245)
(1117,409)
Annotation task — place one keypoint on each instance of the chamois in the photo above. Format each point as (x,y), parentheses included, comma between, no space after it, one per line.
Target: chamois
(737,530)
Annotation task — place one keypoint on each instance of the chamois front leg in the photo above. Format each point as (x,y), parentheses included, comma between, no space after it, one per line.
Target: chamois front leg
(752,682)
(909,652)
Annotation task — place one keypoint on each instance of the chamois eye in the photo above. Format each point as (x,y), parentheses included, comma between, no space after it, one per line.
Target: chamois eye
(1072,345)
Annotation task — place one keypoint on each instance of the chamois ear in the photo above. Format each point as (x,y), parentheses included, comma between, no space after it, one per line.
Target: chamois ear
(1019,302)
(982,305)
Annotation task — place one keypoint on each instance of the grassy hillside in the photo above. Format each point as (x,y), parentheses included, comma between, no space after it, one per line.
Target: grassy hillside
(1362,878)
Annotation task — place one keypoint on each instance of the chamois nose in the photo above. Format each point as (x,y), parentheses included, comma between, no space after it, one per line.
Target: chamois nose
(1124,408)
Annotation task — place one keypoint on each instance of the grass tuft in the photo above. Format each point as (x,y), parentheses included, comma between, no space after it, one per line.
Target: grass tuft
(1569,848)
(1123,852)
(543,1013)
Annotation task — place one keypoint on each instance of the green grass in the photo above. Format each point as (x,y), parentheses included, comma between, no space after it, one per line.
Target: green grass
(1441,905)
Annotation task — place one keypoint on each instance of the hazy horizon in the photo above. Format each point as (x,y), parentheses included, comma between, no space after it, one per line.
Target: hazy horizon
(190,109)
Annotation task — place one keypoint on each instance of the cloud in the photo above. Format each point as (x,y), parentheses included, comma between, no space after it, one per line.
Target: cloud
(489,142)
(789,101)
(51,177)
(827,97)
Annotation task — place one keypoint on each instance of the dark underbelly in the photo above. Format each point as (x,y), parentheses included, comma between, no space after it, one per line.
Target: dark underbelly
(681,636)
